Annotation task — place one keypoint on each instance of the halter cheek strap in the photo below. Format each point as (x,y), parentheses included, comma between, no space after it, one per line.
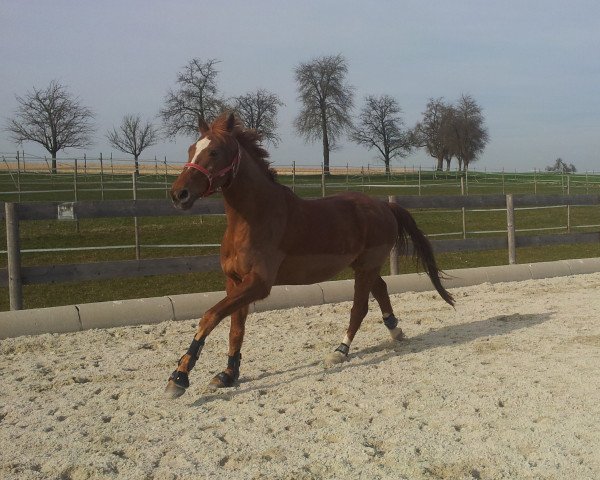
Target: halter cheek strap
(232,167)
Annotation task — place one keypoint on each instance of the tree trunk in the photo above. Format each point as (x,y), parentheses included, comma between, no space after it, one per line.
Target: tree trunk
(387,166)
(53,162)
(460,164)
(137,166)
(448,163)
(325,144)
(325,155)
(440,164)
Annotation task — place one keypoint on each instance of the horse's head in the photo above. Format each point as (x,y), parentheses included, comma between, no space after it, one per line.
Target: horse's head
(212,162)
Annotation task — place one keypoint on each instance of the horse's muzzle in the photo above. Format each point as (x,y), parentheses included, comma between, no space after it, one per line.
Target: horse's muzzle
(182,198)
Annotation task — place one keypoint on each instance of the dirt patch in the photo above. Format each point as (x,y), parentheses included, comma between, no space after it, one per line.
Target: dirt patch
(502,387)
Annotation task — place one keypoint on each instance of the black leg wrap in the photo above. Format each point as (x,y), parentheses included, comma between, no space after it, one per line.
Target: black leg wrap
(233,363)
(194,351)
(343,348)
(390,322)
(180,379)
(226,379)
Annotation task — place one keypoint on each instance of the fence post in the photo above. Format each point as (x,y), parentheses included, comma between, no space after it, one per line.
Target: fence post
(166,179)
(569,206)
(535,181)
(394,250)
(135,219)
(464,213)
(510,227)
(101,178)
(84,167)
(587,185)
(322,180)
(347,179)
(503,186)
(15,287)
(19,175)
(294,176)
(75,193)
(75,181)
(362,177)
(112,169)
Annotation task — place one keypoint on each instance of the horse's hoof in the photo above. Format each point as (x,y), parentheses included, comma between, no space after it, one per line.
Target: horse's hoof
(397,334)
(173,390)
(222,380)
(178,382)
(335,358)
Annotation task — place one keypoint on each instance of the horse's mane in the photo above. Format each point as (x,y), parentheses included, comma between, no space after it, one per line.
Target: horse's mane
(249,139)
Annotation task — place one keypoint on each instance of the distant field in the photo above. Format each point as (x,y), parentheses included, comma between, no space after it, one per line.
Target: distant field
(209,229)
(307,181)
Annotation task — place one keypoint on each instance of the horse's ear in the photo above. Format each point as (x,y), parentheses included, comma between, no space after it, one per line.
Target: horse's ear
(202,126)
(230,122)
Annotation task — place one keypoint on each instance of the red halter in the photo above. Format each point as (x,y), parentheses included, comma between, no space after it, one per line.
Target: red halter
(233,167)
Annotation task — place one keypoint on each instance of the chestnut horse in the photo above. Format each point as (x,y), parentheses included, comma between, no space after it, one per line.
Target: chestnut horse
(274,237)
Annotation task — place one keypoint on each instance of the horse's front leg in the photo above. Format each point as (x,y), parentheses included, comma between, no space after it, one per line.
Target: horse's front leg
(234,356)
(252,288)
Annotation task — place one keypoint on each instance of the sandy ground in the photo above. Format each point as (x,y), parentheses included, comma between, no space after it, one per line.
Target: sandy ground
(506,386)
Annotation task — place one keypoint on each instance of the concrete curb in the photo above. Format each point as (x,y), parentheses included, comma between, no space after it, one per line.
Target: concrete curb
(124,312)
(73,318)
(193,305)
(40,320)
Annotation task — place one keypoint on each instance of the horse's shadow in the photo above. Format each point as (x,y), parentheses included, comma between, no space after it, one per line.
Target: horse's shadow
(443,337)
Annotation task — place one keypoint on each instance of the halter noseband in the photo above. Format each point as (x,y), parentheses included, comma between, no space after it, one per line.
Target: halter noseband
(232,167)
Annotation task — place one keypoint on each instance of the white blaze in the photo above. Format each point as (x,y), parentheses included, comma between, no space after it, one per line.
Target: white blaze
(200,145)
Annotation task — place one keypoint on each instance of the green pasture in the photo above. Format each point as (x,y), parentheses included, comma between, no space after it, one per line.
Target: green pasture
(63,187)
(209,229)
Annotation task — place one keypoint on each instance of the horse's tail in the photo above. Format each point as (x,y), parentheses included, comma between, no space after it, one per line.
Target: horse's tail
(422,250)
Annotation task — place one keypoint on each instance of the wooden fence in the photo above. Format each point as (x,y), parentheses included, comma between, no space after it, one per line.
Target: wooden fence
(15,276)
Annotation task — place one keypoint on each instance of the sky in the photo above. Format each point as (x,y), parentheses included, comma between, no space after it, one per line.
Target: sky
(533,66)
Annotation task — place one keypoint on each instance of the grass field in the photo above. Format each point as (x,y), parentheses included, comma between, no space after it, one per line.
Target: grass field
(209,229)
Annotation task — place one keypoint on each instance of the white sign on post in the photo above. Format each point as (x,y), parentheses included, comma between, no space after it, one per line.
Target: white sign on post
(66,211)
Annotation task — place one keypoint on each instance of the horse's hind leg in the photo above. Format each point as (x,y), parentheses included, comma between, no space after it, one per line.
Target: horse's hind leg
(363,282)
(379,291)
(236,336)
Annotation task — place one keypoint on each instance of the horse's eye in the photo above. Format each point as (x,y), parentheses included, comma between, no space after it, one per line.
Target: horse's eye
(213,153)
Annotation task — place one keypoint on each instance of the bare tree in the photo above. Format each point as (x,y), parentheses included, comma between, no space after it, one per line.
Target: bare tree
(380,127)
(434,132)
(53,118)
(196,98)
(133,137)
(258,110)
(560,166)
(470,134)
(326,101)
